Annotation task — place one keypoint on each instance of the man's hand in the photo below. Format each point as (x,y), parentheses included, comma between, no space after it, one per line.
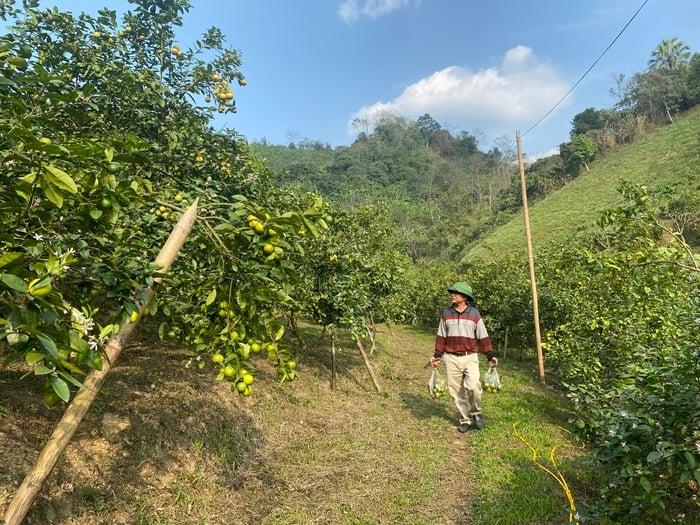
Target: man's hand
(493,362)
(434,361)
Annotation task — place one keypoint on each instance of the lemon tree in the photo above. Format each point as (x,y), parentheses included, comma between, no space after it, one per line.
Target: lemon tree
(356,276)
(105,139)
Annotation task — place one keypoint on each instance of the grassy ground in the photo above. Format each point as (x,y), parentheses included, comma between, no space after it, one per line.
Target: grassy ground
(165,444)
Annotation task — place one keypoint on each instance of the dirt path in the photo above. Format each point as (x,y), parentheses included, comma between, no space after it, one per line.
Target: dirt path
(166,444)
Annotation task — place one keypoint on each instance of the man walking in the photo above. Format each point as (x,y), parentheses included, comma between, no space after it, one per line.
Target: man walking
(461,334)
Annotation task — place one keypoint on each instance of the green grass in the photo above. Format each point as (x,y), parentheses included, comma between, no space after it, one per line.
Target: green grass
(670,155)
(526,416)
(302,453)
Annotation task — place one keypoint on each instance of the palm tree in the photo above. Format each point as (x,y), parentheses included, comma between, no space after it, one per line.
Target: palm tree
(669,54)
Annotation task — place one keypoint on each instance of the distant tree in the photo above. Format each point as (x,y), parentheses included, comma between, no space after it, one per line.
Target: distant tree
(428,127)
(599,125)
(655,95)
(292,136)
(307,143)
(661,92)
(544,176)
(582,150)
(390,128)
(669,54)
(444,144)
(508,152)
(694,79)
(362,126)
(466,144)
(585,121)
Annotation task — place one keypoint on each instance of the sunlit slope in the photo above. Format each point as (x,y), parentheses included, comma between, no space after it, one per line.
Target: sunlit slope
(671,154)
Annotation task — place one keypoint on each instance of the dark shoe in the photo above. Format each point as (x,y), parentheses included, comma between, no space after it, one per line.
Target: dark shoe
(478,421)
(464,427)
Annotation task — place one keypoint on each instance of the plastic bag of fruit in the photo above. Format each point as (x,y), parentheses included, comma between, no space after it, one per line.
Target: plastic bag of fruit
(437,386)
(492,381)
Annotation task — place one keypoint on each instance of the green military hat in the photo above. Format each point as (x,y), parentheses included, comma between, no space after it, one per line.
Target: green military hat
(464,289)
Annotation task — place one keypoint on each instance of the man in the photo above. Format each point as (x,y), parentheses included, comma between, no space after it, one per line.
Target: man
(461,333)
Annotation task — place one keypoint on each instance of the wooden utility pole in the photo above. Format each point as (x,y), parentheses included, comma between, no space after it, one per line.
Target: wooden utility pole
(530,258)
(62,434)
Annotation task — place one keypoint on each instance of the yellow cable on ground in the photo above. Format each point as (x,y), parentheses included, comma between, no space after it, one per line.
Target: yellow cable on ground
(556,475)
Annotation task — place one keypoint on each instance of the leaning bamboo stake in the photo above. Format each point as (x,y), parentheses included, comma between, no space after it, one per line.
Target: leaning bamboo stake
(368,365)
(62,434)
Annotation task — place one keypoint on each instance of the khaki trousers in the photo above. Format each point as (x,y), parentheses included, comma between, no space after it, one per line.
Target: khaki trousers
(464,384)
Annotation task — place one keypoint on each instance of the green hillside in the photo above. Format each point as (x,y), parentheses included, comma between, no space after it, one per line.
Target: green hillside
(667,157)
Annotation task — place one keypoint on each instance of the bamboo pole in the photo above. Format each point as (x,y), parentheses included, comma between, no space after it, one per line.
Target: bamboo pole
(530,259)
(368,365)
(333,363)
(62,434)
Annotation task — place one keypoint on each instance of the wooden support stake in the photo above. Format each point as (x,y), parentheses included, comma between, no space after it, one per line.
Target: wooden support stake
(333,363)
(62,434)
(368,365)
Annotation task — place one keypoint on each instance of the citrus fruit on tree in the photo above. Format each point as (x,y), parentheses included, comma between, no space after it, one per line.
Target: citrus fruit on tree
(40,287)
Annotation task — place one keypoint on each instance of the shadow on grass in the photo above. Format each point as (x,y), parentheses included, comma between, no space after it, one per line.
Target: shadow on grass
(169,438)
(423,408)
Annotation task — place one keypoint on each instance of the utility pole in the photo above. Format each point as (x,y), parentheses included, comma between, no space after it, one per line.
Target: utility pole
(530,258)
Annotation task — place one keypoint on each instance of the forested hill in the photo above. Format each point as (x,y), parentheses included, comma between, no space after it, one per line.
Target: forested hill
(446,197)
(667,162)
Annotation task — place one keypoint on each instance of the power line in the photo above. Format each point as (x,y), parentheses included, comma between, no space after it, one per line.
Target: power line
(587,71)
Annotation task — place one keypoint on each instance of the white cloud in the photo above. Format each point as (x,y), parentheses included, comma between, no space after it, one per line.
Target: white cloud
(351,10)
(496,100)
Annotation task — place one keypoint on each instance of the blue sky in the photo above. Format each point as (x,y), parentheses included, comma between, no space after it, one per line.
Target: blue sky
(490,68)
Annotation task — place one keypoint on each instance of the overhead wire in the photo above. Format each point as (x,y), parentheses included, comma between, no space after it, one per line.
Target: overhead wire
(587,71)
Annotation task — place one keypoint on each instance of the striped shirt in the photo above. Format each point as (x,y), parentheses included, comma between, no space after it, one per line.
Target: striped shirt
(462,332)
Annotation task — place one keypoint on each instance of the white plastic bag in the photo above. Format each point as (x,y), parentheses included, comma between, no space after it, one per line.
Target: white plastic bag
(492,381)
(437,386)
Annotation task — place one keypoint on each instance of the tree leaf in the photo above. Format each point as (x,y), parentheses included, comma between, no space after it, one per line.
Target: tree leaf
(42,370)
(646,485)
(60,387)
(60,179)
(49,345)
(14,282)
(34,357)
(690,459)
(54,195)
(8,258)
(70,379)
